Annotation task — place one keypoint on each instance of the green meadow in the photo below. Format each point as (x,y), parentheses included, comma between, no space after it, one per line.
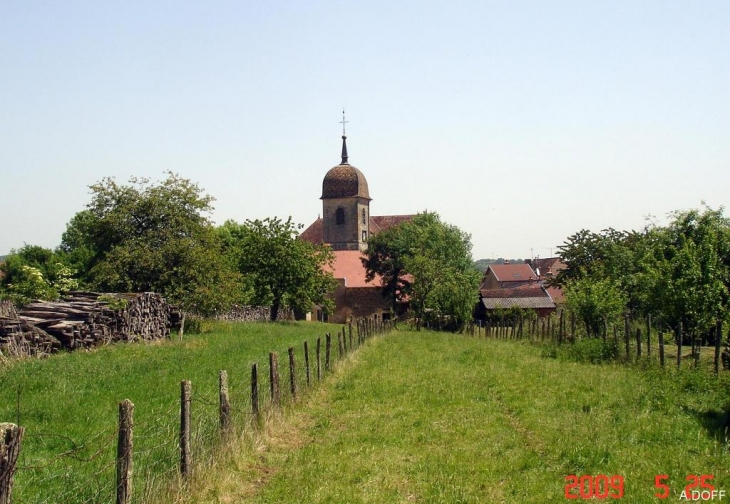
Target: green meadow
(433,417)
(68,404)
(408,417)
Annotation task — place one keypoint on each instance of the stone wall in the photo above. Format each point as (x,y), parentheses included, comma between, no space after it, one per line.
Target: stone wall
(253,314)
(358,302)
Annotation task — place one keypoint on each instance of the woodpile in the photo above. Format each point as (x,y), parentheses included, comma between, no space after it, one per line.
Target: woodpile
(7,309)
(85,320)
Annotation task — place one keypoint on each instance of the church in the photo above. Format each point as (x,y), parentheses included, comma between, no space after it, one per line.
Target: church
(346,225)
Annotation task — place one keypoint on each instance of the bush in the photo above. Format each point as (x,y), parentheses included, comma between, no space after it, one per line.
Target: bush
(193,325)
(591,350)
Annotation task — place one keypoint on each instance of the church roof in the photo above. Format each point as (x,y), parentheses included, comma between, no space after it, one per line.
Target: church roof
(343,181)
(315,232)
(348,266)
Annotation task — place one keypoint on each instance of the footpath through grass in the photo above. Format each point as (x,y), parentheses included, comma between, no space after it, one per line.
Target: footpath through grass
(431,417)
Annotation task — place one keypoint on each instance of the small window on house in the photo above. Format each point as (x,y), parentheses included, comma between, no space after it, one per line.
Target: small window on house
(364,235)
(363,216)
(340,216)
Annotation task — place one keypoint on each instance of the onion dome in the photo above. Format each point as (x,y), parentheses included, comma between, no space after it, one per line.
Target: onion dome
(344,180)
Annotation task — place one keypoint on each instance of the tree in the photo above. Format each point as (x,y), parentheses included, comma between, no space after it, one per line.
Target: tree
(679,272)
(691,270)
(595,301)
(152,237)
(282,270)
(429,263)
(34,272)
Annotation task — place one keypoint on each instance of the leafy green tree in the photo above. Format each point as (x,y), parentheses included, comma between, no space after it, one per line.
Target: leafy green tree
(690,270)
(595,301)
(35,272)
(385,257)
(427,262)
(282,270)
(679,272)
(144,236)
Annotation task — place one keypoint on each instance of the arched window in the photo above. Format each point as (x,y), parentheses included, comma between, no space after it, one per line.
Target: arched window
(363,216)
(340,216)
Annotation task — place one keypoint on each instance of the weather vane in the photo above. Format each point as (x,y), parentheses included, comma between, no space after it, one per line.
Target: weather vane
(343,122)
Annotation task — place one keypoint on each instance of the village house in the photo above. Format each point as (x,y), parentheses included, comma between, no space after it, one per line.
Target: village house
(512,286)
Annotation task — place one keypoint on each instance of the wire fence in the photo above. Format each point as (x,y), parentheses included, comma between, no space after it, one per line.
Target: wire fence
(164,445)
(633,338)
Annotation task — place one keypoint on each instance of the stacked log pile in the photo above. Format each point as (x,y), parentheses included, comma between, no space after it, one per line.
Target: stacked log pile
(7,309)
(87,319)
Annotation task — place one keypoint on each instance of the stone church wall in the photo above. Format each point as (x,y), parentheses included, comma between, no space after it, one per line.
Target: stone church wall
(358,302)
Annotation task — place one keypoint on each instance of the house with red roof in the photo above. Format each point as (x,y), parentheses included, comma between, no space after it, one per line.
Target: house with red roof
(508,275)
(345,226)
(512,285)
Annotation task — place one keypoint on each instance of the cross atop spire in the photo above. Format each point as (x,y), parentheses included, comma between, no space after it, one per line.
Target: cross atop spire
(344,139)
(343,122)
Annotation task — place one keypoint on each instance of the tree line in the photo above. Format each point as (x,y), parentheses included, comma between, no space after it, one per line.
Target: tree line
(678,273)
(158,237)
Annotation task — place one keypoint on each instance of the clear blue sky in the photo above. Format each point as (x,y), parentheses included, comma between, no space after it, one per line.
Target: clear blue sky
(521,122)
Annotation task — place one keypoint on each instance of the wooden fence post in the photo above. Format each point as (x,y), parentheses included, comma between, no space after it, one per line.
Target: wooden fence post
(319,359)
(327,350)
(572,325)
(292,374)
(638,342)
(306,363)
(626,334)
(225,404)
(124,453)
(340,344)
(185,395)
(344,338)
(697,344)
(274,378)
(648,336)
(718,342)
(255,389)
(679,345)
(11,437)
(661,348)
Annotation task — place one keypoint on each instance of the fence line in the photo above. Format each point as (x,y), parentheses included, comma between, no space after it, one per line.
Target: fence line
(194,432)
(558,330)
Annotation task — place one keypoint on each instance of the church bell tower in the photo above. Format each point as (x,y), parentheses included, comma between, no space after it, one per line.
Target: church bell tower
(345,205)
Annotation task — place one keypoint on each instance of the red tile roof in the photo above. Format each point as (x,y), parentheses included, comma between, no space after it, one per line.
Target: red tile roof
(383,222)
(348,266)
(556,293)
(315,232)
(512,272)
(549,266)
(534,290)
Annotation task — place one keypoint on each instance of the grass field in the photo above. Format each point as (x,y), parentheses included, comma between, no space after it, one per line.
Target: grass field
(68,405)
(429,417)
(410,417)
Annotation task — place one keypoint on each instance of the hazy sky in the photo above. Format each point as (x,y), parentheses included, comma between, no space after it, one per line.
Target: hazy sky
(521,122)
